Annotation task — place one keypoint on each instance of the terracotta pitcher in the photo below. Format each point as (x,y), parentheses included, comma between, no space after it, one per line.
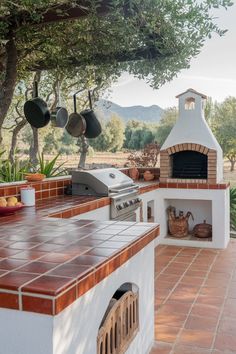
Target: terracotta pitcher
(134,173)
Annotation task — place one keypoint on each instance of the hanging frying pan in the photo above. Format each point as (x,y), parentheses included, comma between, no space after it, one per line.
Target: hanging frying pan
(94,128)
(76,125)
(36,110)
(59,116)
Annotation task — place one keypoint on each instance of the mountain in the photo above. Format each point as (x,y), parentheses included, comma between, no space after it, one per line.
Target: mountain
(149,114)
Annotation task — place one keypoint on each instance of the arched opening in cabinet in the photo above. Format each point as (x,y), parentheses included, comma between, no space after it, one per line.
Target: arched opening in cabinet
(120,323)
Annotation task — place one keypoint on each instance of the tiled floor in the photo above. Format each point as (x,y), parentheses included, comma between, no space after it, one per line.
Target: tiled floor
(195,300)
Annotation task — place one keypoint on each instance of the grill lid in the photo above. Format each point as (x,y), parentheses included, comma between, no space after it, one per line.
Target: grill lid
(103,181)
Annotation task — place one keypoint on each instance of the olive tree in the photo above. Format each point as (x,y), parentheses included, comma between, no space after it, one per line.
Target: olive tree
(152,39)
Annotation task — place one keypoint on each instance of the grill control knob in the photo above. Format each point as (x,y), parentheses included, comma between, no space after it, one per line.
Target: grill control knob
(126,204)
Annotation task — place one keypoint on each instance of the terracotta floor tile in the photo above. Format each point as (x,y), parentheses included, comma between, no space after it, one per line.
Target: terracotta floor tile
(161,348)
(215,351)
(198,338)
(184,293)
(230,308)
(232,293)
(173,270)
(178,265)
(217,275)
(201,323)
(161,284)
(196,273)
(170,319)
(162,293)
(176,307)
(184,259)
(210,300)
(191,280)
(189,251)
(227,325)
(213,291)
(168,277)
(225,342)
(205,311)
(185,349)
(217,283)
(166,333)
(199,266)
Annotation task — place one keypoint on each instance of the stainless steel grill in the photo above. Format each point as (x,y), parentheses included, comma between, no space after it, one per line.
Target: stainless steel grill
(109,182)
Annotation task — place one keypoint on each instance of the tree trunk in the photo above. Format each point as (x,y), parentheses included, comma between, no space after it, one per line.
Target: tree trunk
(83,152)
(232,164)
(8,83)
(34,148)
(15,133)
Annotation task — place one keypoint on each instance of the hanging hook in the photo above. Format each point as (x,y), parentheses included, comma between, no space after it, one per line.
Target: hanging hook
(74,99)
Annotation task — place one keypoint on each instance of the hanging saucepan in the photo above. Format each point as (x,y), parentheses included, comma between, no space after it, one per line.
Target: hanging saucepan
(76,125)
(59,116)
(36,110)
(93,125)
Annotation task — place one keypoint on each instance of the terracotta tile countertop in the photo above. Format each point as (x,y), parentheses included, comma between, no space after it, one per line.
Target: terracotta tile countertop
(47,263)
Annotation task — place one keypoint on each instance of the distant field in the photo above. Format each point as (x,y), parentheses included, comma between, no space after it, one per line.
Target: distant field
(117,159)
(120,158)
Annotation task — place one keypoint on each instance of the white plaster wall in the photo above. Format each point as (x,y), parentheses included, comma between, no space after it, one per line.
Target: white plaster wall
(76,328)
(98,214)
(148,197)
(25,332)
(191,127)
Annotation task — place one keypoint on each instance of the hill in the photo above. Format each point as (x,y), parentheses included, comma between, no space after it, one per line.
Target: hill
(148,114)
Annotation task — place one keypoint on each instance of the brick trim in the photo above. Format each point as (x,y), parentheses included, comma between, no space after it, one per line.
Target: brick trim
(165,161)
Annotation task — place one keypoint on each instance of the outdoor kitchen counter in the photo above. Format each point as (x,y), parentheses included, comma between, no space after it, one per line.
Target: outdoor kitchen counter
(47,263)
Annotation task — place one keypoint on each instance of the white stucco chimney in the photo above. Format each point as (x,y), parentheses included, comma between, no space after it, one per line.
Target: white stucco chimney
(192,128)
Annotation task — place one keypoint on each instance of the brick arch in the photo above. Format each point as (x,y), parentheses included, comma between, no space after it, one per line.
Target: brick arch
(188,146)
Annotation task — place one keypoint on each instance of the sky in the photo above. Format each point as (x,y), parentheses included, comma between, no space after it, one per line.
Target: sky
(212,72)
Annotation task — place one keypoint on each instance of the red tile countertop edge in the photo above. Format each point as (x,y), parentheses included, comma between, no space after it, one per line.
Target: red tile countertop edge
(27,299)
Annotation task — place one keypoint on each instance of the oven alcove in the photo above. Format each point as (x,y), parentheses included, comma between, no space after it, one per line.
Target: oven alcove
(201,210)
(189,164)
(120,323)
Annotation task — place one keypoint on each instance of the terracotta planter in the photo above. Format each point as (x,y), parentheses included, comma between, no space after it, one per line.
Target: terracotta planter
(134,173)
(148,176)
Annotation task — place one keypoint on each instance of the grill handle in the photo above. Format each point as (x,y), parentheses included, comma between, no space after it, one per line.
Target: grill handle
(123,189)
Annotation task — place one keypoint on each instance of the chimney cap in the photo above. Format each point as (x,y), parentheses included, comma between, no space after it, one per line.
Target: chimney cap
(193,91)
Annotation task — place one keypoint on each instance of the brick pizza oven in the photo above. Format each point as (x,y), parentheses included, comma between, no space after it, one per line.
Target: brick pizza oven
(191,153)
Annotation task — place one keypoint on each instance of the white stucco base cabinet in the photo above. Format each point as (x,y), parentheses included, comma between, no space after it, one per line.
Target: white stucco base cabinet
(74,330)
